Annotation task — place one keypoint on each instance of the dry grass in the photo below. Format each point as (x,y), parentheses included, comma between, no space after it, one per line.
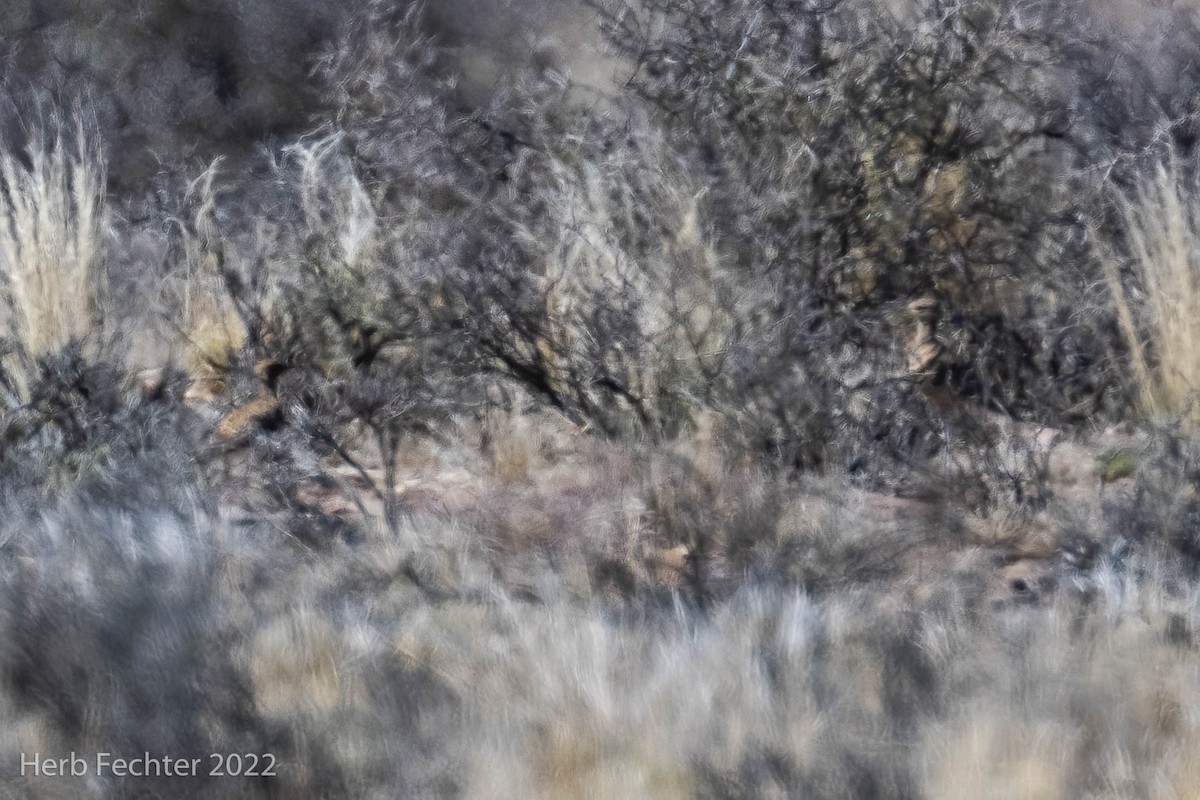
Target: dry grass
(1162,225)
(334,208)
(210,327)
(51,249)
(778,695)
(842,649)
(509,445)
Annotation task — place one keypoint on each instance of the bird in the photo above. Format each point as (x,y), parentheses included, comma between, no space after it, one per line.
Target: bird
(919,330)
(262,412)
(1115,464)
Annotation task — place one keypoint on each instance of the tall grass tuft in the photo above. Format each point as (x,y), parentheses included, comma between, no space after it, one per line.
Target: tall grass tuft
(51,219)
(1161,224)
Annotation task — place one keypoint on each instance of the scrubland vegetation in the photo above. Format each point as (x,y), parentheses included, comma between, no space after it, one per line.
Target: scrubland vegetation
(679,399)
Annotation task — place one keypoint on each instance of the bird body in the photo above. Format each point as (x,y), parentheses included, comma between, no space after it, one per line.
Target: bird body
(1113,465)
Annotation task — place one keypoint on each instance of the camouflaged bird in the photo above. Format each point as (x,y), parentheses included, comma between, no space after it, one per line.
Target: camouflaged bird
(263,411)
(1115,464)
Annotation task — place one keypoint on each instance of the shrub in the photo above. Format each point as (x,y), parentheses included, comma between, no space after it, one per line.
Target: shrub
(860,159)
(551,253)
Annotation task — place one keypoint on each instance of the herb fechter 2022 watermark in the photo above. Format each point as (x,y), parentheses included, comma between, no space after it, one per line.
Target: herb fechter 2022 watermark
(110,765)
